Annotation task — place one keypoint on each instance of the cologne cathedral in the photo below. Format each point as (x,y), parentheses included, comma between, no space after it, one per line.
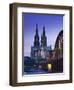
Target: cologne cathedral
(40,50)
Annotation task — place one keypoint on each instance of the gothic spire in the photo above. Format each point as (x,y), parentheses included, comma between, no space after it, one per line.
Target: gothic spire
(44,30)
(43,38)
(36,38)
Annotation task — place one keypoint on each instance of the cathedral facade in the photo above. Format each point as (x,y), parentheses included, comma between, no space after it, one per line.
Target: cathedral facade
(40,50)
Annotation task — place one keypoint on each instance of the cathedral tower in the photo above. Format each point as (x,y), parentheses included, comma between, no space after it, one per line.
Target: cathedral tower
(43,38)
(36,38)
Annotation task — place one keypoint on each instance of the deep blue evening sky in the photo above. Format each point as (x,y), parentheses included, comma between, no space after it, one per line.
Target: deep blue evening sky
(53,25)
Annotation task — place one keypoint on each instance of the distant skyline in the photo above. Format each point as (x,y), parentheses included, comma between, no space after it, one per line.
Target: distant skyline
(53,25)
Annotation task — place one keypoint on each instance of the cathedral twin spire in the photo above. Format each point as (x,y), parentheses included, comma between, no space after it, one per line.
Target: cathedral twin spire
(36,38)
(43,38)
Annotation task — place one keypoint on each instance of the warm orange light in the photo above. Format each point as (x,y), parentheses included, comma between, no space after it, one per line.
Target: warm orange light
(49,66)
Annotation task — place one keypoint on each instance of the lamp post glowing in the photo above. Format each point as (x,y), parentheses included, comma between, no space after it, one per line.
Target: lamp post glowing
(49,67)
